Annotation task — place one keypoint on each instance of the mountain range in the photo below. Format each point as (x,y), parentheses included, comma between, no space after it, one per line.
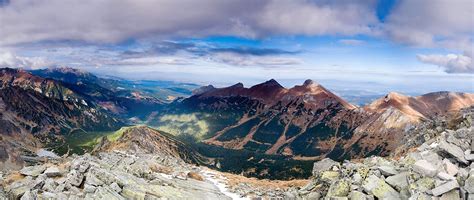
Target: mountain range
(48,107)
(306,121)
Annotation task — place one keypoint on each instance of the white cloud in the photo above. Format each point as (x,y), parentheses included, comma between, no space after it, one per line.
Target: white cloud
(452,63)
(311,18)
(109,21)
(8,59)
(432,23)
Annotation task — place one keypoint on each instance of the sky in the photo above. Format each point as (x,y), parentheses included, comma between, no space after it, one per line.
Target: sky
(375,46)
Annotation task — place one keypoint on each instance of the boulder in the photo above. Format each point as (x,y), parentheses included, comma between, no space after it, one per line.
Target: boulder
(356,195)
(470,157)
(425,168)
(49,185)
(116,187)
(339,188)
(469,184)
(49,195)
(398,181)
(39,181)
(452,195)
(379,188)
(323,165)
(17,192)
(387,170)
(91,179)
(452,150)
(450,168)
(33,170)
(80,164)
(445,176)
(74,178)
(424,184)
(89,188)
(52,171)
(29,195)
(444,188)
(106,193)
(313,195)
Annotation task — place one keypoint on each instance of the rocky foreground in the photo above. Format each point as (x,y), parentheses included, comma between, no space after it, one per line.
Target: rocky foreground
(441,168)
(112,175)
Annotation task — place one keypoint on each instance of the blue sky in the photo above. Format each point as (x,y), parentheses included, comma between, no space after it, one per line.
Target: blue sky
(407,46)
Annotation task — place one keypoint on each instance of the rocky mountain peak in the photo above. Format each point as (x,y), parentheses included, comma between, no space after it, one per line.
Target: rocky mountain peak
(309,83)
(272,83)
(394,96)
(237,85)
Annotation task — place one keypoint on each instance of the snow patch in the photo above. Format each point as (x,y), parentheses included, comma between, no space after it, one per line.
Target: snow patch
(220,182)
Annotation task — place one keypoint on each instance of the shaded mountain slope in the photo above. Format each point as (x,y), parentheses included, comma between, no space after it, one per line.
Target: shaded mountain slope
(35,112)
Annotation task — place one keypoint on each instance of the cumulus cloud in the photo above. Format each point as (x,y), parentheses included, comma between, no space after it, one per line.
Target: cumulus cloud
(432,23)
(10,60)
(109,21)
(452,63)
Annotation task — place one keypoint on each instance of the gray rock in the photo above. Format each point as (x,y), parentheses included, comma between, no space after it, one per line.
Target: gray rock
(89,188)
(453,150)
(387,170)
(450,168)
(116,187)
(470,157)
(39,182)
(425,168)
(448,186)
(445,176)
(91,179)
(452,195)
(339,188)
(356,195)
(49,185)
(74,178)
(33,170)
(80,164)
(398,181)
(469,184)
(379,188)
(107,193)
(323,165)
(29,195)
(52,171)
(313,195)
(17,192)
(49,195)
